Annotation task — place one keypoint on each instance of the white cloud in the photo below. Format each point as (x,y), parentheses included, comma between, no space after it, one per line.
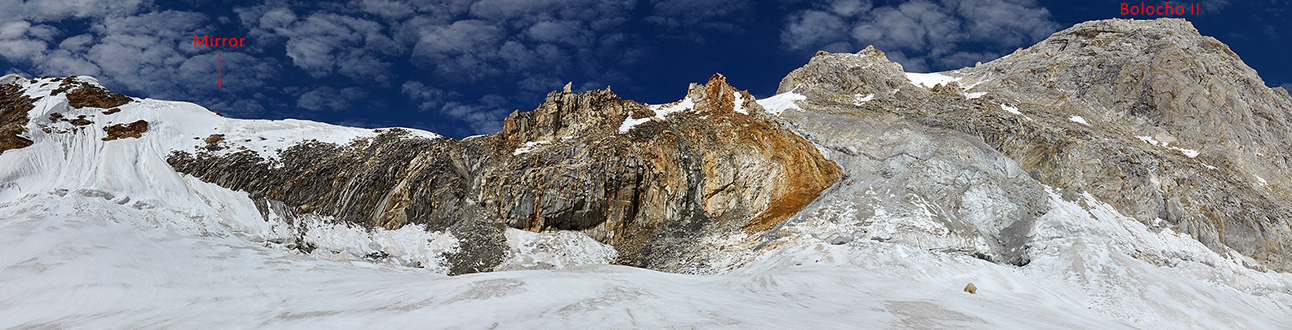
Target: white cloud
(502,10)
(320,99)
(813,27)
(385,8)
(558,31)
(277,18)
(77,44)
(427,97)
(709,14)
(328,98)
(466,36)
(485,116)
(1211,6)
(55,10)
(21,42)
(323,44)
(475,49)
(921,33)
(916,26)
(140,51)
(22,50)
(1005,22)
(849,7)
(13,30)
(353,93)
(65,61)
(540,84)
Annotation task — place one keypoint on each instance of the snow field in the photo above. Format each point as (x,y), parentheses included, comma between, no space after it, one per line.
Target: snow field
(780,102)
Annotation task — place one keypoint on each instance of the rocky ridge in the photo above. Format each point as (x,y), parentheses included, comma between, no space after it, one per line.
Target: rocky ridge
(1201,142)
(648,180)
(1168,126)
(909,182)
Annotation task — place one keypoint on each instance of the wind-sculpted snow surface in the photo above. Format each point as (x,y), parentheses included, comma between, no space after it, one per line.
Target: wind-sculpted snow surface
(942,187)
(83,261)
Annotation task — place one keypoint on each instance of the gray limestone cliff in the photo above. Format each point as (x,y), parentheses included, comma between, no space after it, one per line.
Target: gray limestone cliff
(1168,126)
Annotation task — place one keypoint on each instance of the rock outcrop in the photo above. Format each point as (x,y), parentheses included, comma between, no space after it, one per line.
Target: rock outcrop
(13,115)
(931,186)
(84,95)
(120,131)
(713,162)
(649,180)
(1148,116)
(15,103)
(388,181)
(1185,131)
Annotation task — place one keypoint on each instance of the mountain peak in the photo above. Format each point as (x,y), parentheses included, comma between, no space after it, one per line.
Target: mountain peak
(1146,115)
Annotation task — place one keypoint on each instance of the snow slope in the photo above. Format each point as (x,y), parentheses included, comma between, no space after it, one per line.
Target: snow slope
(86,262)
(103,234)
(780,102)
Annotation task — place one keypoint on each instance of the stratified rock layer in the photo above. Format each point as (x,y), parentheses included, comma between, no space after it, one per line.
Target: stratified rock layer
(715,162)
(652,190)
(1148,116)
(908,181)
(388,181)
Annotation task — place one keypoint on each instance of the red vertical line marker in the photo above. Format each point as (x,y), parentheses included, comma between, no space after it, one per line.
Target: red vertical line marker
(218,75)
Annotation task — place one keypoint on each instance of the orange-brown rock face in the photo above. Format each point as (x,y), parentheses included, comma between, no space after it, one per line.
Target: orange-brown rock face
(653,181)
(713,162)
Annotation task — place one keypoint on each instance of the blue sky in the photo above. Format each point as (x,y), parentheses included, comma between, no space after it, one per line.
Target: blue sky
(457,67)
